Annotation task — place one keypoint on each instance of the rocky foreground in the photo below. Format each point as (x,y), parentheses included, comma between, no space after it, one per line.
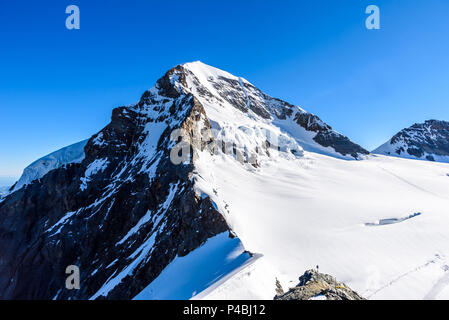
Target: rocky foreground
(318,286)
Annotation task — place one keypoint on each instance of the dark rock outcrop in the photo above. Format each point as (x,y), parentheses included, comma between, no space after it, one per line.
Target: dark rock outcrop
(315,285)
(327,137)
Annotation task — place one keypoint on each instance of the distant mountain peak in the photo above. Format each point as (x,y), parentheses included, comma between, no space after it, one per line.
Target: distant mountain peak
(424,141)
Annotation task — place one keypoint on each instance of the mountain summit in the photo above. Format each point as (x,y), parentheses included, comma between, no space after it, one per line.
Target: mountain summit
(424,141)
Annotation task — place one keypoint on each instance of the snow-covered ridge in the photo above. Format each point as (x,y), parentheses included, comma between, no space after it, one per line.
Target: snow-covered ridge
(423,141)
(71,154)
(232,103)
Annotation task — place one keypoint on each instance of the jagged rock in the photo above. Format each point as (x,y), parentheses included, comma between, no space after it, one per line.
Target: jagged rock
(327,137)
(315,285)
(279,289)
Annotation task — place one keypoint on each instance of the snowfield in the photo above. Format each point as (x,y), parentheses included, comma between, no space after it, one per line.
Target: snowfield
(314,211)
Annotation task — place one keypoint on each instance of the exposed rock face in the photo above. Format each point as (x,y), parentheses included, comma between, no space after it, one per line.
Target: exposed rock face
(425,141)
(318,286)
(327,137)
(124,211)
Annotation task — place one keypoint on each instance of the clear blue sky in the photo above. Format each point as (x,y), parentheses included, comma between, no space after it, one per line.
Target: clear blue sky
(59,86)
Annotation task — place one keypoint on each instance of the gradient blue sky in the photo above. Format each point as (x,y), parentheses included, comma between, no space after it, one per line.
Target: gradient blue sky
(59,86)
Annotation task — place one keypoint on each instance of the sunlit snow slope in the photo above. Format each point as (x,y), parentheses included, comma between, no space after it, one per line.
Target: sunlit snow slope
(314,211)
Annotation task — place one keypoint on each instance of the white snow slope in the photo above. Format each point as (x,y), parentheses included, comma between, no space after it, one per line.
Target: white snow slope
(187,276)
(314,209)
(71,154)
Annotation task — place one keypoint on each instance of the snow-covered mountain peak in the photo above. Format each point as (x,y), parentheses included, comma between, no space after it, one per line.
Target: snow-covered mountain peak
(215,86)
(232,104)
(424,141)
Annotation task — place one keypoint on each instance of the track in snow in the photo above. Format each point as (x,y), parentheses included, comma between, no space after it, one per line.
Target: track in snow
(409,183)
(439,286)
